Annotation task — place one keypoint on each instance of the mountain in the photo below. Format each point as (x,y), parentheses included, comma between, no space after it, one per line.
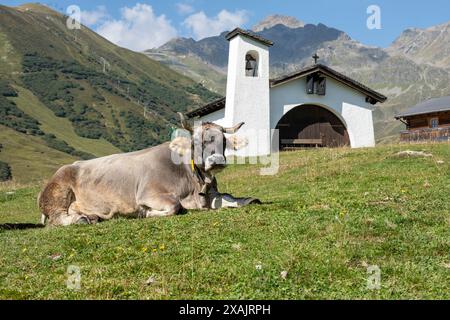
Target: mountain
(205,60)
(68,93)
(291,46)
(414,68)
(431,46)
(275,19)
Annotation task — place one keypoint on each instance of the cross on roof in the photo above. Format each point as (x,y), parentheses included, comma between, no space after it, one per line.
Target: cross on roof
(315,57)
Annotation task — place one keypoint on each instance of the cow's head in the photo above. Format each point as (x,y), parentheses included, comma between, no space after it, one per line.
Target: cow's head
(208,144)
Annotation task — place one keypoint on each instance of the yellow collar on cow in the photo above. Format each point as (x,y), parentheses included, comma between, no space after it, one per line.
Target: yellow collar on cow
(192,165)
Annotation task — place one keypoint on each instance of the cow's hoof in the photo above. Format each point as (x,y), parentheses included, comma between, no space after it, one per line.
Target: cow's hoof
(83,220)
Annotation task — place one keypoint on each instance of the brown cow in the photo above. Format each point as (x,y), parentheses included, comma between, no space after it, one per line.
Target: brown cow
(154,182)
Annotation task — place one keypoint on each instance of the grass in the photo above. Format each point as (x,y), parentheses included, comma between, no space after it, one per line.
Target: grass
(328,215)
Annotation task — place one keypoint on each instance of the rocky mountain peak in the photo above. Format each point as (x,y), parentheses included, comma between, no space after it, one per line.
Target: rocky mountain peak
(431,45)
(273,20)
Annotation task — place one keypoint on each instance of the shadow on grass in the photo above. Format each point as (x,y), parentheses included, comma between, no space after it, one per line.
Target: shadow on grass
(20,226)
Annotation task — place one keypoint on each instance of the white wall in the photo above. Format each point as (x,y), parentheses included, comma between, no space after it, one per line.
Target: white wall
(349,105)
(247,98)
(216,117)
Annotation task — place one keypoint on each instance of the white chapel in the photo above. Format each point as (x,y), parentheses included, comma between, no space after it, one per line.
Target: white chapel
(316,106)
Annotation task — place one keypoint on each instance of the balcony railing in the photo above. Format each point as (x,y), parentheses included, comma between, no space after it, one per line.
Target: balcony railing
(427,134)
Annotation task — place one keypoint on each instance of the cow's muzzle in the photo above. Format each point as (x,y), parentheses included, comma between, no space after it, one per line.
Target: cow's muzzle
(215,162)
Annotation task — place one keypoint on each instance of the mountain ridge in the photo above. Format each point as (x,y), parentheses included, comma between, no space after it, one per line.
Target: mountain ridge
(272,20)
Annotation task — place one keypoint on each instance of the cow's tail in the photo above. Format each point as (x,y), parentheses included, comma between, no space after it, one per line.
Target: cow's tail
(57,196)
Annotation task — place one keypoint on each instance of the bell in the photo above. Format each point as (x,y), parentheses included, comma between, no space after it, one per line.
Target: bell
(248,65)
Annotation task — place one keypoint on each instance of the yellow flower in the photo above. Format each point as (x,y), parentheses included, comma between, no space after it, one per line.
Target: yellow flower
(161,247)
(144,249)
(154,250)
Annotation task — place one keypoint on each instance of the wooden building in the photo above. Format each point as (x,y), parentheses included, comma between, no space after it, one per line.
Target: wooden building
(427,121)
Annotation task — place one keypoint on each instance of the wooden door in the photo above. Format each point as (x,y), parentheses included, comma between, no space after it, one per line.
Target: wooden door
(310,123)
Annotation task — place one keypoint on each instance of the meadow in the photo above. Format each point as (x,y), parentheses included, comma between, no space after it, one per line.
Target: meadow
(327,218)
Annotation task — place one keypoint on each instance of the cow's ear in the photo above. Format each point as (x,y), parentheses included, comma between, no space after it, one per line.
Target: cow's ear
(180,145)
(236,143)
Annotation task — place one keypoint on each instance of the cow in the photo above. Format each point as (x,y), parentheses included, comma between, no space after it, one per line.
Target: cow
(160,181)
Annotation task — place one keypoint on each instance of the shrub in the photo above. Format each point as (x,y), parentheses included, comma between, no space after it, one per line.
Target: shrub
(6,90)
(60,145)
(11,116)
(5,171)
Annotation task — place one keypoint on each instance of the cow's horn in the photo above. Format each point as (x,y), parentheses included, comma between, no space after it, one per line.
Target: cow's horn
(184,122)
(233,129)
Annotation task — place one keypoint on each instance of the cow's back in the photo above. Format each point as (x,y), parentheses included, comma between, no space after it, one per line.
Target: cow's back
(113,184)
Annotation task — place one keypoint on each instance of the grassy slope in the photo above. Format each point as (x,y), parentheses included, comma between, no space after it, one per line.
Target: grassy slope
(328,214)
(36,28)
(29,157)
(60,127)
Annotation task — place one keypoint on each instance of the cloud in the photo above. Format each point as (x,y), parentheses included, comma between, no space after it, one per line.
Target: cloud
(202,26)
(93,17)
(138,28)
(183,8)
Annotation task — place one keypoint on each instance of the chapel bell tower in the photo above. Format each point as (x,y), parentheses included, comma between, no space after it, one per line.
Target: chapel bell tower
(247,95)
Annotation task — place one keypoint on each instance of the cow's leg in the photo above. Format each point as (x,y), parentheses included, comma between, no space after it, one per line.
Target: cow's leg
(65,219)
(159,206)
(80,216)
(219,200)
(72,216)
(225,200)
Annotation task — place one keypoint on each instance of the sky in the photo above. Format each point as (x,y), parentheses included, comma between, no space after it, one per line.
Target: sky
(140,25)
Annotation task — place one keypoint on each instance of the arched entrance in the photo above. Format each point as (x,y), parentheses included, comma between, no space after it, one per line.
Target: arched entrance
(311,126)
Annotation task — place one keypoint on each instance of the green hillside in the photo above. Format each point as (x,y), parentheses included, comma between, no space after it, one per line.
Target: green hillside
(327,216)
(77,93)
(30,158)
